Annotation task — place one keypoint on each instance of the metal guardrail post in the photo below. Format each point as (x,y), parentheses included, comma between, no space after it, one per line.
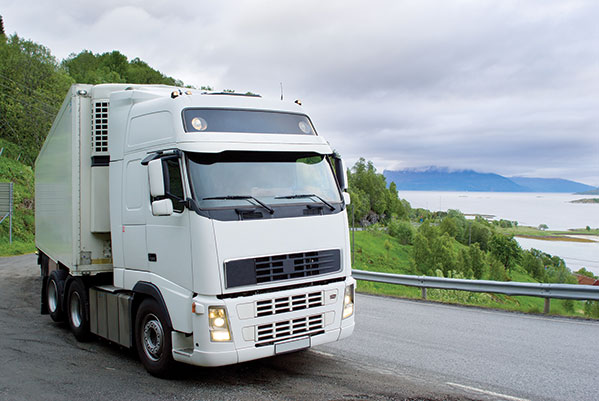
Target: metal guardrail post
(10,215)
(423,292)
(6,204)
(547,305)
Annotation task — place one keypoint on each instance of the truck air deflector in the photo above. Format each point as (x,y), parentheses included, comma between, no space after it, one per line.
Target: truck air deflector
(268,269)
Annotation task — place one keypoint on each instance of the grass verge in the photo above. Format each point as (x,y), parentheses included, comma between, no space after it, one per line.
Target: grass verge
(378,251)
(16,248)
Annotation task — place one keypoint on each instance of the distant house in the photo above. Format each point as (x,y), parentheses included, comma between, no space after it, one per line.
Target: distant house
(584,280)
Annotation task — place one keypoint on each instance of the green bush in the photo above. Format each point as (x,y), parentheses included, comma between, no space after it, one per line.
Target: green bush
(402,230)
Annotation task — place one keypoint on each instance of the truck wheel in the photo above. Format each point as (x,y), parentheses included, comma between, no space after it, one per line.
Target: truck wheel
(54,294)
(78,310)
(153,339)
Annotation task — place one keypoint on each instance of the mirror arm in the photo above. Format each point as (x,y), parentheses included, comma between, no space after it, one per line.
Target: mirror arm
(191,204)
(161,154)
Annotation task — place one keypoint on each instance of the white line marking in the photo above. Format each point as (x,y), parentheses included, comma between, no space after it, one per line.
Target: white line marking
(491,393)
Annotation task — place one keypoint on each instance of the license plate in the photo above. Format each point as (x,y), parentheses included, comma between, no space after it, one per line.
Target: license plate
(293,345)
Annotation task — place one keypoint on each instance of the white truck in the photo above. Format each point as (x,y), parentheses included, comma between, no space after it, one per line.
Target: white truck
(204,228)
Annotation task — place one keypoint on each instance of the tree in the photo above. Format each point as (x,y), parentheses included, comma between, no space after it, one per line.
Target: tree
(2,33)
(505,249)
(33,87)
(360,204)
(421,255)
(442,254)
(533,265)
(449,226)
(584,272)
(480,233)
(395,206)
(477,260)
(543,227)
(556,270)
(496,270)
(464,265)
(87,67)
(402,230)
(462,225)
(429,230)
(382,202)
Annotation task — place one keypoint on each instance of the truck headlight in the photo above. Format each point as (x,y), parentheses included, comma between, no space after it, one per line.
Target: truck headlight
(218,324)
(348,301)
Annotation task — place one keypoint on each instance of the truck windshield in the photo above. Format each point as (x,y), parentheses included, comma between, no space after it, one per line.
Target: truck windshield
(232,179)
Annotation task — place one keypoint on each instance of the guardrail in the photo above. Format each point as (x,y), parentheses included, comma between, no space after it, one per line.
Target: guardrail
(543,290)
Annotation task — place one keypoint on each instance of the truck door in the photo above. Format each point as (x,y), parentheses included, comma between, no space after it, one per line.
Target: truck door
(168,237)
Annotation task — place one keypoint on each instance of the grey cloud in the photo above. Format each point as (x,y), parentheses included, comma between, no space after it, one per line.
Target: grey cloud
(502,86)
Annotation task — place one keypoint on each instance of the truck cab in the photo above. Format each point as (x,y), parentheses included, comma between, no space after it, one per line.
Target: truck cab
(212,227)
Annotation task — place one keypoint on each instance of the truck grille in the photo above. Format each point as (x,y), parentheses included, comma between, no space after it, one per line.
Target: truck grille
(275,306)
(268,334)
(281,267)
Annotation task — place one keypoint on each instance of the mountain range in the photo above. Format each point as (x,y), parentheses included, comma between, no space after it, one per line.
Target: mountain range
(444,179)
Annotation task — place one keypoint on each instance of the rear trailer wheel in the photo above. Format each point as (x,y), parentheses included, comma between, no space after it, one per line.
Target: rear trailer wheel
(78,310)
(55,294)
(153,339)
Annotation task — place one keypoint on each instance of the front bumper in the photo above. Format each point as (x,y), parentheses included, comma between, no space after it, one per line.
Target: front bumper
(261,323)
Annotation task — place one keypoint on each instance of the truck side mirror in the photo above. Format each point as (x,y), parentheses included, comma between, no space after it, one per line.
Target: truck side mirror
(162,207)
(156,175)
(341,173)
(345,180)
(346,198)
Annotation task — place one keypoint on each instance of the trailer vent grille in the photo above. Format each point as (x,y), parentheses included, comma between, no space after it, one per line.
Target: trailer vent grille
(281,267)
(268,334)
(100,127)
(275,306)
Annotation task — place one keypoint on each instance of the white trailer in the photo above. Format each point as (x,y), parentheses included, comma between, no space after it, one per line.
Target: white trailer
(204,228)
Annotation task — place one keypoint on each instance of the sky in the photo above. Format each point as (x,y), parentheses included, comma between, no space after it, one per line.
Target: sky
(509,87)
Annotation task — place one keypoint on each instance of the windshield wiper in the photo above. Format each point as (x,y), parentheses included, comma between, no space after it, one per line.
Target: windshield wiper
(299,196)
(242,197)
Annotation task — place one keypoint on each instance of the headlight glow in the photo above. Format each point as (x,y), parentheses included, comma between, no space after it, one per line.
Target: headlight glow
(218,324)
(348,301)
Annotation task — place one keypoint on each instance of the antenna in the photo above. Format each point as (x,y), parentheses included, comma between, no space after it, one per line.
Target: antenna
(281,91)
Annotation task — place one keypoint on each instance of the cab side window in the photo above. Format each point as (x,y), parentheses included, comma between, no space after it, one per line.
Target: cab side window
(174,183)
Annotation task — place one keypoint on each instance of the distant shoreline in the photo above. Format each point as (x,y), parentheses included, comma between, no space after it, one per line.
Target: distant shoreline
(586,200)
(561,238)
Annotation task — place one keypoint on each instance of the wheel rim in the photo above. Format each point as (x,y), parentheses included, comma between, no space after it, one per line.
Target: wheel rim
(52,296)
(75,309)
(152,337)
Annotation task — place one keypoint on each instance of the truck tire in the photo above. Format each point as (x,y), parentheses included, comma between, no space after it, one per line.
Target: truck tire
(78,310)
(153,339)
(55,294)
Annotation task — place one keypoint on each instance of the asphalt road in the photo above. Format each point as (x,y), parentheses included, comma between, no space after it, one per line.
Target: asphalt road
(480,351)
(401,350)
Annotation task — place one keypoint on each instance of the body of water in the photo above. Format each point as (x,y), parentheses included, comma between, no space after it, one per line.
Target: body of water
(528,209)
